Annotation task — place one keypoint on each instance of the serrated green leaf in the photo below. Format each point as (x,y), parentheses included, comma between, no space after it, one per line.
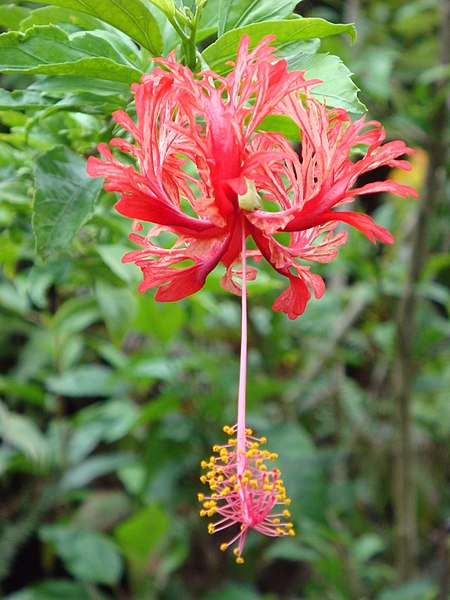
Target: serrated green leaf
(88,555)
(286,32)
(50,50)
(237,13)
(338,88)
(11,15)
(129,16)
(63,200)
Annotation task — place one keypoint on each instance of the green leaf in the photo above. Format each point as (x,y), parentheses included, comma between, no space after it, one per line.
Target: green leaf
(166,6)
(161,319)
(286,32)
(84,380)
(420,589)
(117,306)
(140,535)
(237,13)
(21,433)
(338,88)
(50,50)
(87,555)
(55,589)
(56,86)
(74,316)
(233,590)
(56,15)
(63,201)
(102,510)
(20,100)
(84,473)
(130,16)
(11,15)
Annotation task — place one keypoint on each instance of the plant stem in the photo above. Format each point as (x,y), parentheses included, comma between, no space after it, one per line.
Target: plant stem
(405,485)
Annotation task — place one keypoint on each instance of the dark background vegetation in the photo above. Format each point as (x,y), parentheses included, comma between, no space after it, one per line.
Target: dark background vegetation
(110,400)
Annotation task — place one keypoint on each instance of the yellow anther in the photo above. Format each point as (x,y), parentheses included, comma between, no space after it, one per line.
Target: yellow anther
(276,521)
(291,532)
(223,547)
(203,513)
(240,560)
(210,528)
(263,440)
(203,479)
(273,456)
(254,484)
(216,448)
(203,464)
(286,514)
(248,431)
(201,497)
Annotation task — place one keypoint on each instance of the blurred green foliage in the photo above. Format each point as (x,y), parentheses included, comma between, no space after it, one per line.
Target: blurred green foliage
(110,400)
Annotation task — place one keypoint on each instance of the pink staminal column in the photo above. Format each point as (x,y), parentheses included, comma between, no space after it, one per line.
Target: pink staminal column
(245,493)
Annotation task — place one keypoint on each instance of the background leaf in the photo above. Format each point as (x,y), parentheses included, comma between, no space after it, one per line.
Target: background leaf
(63,201)
(237,13)
(130,16)
(89,556)
(285,31)
(50,50)
(141,534)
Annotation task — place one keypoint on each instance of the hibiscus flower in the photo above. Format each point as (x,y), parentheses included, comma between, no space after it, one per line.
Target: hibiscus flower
(207,170)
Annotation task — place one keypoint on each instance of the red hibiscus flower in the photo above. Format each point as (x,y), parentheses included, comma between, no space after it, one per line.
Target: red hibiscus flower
(207,171)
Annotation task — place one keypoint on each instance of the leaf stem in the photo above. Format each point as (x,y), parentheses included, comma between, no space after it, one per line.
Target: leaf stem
(185,22)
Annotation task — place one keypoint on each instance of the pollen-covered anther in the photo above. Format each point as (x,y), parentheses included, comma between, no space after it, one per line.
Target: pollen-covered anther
(245,491)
